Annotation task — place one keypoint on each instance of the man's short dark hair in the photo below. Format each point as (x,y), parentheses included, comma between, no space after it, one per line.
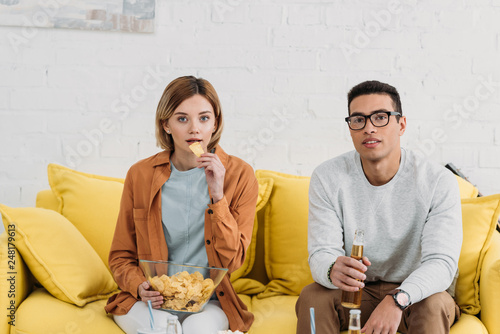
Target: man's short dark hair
(375,87)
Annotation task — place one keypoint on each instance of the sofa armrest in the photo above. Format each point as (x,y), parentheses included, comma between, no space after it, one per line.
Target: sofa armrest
(489,287)
(47,200)
(16,281)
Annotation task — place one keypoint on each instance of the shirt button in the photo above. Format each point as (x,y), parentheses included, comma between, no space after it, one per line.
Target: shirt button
(210,211)
(221,293)
(208,242)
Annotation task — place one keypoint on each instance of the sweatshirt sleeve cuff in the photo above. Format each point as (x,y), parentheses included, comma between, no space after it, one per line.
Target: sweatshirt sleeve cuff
(412,290)
(319,270)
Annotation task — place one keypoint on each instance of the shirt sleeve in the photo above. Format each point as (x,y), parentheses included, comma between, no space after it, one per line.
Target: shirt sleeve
(441,243)
(232,224)
(123,258)
(325,232)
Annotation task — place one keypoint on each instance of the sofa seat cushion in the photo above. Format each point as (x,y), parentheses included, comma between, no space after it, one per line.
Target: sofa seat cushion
(468,324)
(42,313)
(274,315)
(13,287)
(247,300)
(248,286)
(281,309)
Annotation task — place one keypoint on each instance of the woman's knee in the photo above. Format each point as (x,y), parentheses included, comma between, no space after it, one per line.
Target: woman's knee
(211,320)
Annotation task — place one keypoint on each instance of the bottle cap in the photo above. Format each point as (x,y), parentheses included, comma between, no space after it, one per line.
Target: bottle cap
(355,312)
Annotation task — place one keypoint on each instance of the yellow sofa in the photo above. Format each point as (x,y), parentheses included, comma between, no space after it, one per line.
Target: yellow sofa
(55,279)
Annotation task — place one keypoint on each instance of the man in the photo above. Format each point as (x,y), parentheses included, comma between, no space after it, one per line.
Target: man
(409,209)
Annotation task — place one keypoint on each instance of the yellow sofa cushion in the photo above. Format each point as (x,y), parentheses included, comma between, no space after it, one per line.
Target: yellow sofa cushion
(265,188)
(467,189)
(41,313)
(274,315)
(479,219)
(468,324)
(489,285)
(285,235)
(46,199)
(90,202)
(15,277)
(58,256)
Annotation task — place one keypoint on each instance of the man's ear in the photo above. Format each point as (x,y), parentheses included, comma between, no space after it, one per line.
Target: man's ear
(402,125)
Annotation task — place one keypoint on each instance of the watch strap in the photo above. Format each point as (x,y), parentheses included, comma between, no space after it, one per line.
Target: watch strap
(394,293)
(330,272)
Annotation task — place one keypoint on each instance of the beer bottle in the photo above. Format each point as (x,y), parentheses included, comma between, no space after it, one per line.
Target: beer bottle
(353,299)
(354,322)
(172,324)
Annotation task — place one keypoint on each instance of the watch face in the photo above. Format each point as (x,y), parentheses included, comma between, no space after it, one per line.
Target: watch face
(402,299)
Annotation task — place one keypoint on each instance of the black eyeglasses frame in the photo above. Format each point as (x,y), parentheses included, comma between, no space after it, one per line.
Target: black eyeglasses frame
(389,113)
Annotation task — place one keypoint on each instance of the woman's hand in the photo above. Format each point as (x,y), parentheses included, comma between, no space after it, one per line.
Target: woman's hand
(145,294)
(215,172)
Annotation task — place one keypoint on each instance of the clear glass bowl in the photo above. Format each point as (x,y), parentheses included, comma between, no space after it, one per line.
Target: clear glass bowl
(185,288)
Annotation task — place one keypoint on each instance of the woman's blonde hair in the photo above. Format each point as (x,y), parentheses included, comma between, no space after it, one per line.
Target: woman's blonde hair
(174,94)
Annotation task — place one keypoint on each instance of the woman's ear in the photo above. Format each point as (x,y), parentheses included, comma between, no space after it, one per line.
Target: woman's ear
(165,126)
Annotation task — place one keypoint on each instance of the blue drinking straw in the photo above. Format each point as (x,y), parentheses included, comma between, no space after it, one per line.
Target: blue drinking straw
(151,319)
(313,325)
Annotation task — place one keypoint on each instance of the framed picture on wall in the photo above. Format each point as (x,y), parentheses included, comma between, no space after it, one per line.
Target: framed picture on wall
(107,15)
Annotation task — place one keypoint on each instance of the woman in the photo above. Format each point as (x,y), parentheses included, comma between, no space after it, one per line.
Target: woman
(178,207)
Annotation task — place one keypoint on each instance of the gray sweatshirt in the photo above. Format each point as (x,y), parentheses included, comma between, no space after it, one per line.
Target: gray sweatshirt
(412,224)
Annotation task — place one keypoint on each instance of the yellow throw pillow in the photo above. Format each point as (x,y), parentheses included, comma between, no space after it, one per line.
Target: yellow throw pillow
(265,187)
(58,255)
(479,219)
(285,234)
(90,202)
(467,189)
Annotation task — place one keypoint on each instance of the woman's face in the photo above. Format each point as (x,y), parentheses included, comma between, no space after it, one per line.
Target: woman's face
(193,120)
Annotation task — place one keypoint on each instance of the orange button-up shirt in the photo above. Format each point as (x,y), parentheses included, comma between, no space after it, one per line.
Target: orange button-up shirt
(139,231)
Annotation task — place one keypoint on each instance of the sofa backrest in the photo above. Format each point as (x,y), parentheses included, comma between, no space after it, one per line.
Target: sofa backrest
(277,258)
(46,199)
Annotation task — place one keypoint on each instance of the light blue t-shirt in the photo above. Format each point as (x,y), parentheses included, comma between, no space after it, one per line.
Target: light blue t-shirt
(184,198)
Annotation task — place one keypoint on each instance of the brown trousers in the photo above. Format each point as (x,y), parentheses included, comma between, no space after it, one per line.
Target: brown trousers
(433,315)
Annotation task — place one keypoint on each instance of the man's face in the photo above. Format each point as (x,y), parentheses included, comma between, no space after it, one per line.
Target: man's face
(376,143)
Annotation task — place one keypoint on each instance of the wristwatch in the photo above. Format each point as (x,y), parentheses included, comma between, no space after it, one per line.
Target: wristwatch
(401,298)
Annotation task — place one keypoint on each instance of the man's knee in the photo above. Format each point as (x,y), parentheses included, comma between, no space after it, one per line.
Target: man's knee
(304,298)
(437,303)
(436,309)
(315,295)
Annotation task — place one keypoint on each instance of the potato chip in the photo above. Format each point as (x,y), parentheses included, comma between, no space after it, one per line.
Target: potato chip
(184,291)
(197,149)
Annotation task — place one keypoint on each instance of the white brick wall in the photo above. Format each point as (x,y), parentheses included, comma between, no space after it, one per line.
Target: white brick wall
(87,99)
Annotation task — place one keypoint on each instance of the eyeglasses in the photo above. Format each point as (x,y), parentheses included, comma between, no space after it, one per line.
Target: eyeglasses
(378,119)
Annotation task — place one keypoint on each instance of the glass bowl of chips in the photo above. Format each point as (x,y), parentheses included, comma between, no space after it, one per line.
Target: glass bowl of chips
(185,288)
